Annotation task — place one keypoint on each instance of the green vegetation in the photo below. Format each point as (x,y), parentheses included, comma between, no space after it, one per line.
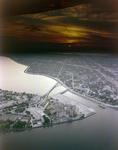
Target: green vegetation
(28,112)
(8,109)
(19,124)
(23,104)
(5,125)
(26,116)
(82,116)
(46,119)
(42,97)
(48,104)
(10,121)
(29,96)
(75,115)
(8,112)
(43,104)
(1,121)
(29,125)
(70,120)
(19,110)
(2,127)
(47,111)
(54,113)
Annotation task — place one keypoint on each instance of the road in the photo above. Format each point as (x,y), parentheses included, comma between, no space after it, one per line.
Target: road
(109,79)
(61,68)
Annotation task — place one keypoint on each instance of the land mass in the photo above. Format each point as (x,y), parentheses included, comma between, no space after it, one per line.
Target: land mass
(92,76)
(21,111)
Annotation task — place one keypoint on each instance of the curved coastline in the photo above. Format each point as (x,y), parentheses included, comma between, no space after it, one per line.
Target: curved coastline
(70,90)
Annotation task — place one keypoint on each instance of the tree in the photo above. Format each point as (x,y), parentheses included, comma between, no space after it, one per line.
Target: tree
(28,112)
(10,121)
(24,93)
(7,126)
(46,119)
(19,124)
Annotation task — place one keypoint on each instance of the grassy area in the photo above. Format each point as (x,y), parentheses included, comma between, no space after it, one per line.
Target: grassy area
(47,111)
(43,104)
(19,110)
(82,116)
(75,115)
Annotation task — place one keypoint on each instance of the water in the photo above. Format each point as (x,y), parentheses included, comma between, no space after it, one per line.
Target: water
(97,132)
(13,78)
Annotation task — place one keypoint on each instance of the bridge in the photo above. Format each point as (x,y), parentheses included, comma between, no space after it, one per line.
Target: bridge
(50,90)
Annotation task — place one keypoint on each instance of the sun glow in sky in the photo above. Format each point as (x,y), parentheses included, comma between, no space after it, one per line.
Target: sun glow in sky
(82,25)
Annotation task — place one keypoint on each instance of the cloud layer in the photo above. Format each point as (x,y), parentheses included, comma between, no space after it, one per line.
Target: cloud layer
(82,25)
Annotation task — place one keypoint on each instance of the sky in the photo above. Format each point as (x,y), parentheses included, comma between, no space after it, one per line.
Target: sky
(74,28)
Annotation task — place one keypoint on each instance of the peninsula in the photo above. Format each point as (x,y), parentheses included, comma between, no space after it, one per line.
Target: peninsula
(21,111)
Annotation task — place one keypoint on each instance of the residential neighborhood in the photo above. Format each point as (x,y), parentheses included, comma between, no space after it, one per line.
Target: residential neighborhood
(93,76)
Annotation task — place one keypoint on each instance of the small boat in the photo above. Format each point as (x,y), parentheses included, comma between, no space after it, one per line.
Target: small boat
(103,106)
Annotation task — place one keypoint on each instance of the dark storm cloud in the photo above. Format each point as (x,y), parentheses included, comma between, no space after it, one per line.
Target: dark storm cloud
(80,15)
(32,28)
(14,7)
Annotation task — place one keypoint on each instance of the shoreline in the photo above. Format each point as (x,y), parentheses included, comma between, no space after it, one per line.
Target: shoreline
(55,79)
(47,125)
(71,91)
(25,70)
